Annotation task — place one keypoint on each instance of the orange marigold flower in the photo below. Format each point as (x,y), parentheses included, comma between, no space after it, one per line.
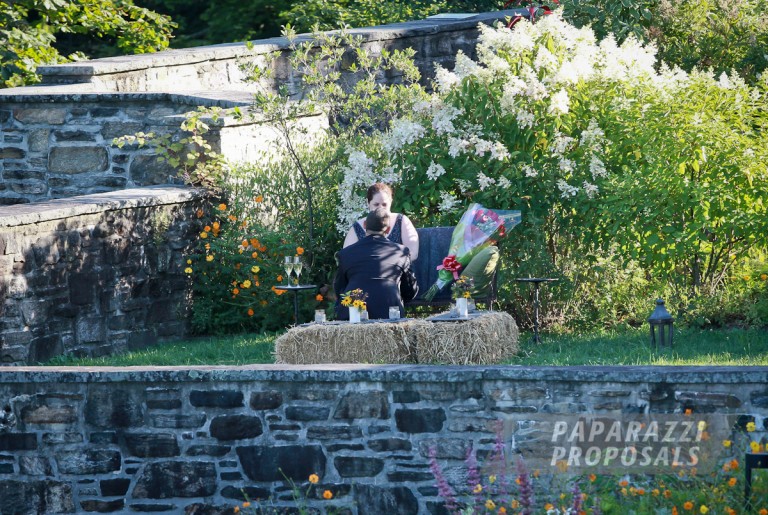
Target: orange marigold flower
(254,255)
(244,243)
(222,207)
(548,506)
(732,481)
(327,494)
(254,242)
(641,491)
(502,510)
(207,228)
(688,505)
(246,504)
(536,473)
(764,277)
(250,312)
(319,298)
(763,511)
(299,250)
(199,213)
(667,494)
(592,478)
(734,464)
(688,411)
(623,482)
(232,218)
(313,478)
(235,291)
(674,510)
(237,266)
(236,509)
(258,199)
(203,235)
(279,278)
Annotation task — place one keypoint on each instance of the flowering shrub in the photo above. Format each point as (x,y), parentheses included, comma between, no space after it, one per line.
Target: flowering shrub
(497,486)
(608,155)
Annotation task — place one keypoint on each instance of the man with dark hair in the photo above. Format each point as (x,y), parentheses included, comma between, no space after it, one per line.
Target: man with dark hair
(379,267)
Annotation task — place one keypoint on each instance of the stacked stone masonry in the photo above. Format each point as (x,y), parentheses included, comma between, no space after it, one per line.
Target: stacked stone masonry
(198,440)
(96,274)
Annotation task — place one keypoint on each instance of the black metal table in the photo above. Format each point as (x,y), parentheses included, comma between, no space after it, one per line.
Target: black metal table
(296,288)
(536,283)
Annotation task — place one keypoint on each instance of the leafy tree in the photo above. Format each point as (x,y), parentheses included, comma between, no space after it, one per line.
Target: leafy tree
(30,32)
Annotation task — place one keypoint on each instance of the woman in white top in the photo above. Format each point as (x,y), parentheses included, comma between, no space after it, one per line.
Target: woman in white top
(401,231)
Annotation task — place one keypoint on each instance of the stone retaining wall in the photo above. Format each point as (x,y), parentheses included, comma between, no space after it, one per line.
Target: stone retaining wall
(193,440)
(94,274)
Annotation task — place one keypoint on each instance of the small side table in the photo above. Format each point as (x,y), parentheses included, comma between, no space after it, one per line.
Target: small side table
(536,283)
(296,289)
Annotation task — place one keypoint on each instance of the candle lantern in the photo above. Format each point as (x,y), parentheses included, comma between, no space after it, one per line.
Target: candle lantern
(661,323)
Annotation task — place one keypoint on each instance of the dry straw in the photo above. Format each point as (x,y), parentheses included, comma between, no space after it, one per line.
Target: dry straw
(489,339)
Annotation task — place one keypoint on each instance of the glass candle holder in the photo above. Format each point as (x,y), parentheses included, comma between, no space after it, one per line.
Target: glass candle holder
(394,312)
(319,316)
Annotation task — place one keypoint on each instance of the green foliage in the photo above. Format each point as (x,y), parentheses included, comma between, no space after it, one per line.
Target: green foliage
(29,30)
(620,19)
(709,34)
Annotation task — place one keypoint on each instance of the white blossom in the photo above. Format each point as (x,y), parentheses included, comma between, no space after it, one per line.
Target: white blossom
(561,144)
(464,66)
(566,165)
(442,119)
(560,103)
(464,185)
(590,189)
(447,202)
(445,79)
(597,168)
(499,151)
(566,190)
(435,170)
(456,146)
(525,119)
(403,132)
(545,60)
(529,171)
(503,183)
(483,181)
(482,146)
(592,137)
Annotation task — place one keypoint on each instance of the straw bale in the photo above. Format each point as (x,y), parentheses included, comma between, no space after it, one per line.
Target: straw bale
(345,343)
(485,340)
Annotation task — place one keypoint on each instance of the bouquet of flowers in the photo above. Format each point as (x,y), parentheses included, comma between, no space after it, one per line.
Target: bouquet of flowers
(354,298)
(462,288)
(478,228)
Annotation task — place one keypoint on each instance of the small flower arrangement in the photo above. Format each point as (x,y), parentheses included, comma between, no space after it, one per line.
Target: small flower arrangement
(354,298)
(462,288)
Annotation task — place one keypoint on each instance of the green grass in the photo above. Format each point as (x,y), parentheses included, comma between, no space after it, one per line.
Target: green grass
(627,347)
(632,347)
(221,350)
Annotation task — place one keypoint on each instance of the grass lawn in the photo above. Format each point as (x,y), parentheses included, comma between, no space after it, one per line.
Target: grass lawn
(629,347)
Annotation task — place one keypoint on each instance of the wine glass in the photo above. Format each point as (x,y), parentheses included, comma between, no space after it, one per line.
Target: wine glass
(297,266)
(288,267)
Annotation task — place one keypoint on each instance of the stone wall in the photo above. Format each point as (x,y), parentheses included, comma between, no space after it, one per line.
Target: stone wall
(95,274)
(56,140)
(193,440)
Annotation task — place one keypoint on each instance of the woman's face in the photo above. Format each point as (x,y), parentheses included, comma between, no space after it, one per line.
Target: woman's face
(380,200)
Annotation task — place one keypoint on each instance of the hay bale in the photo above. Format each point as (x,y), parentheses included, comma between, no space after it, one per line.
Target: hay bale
(345,343)
(485,340)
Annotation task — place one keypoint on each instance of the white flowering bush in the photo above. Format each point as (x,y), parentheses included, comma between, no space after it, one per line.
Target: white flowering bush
(611,156)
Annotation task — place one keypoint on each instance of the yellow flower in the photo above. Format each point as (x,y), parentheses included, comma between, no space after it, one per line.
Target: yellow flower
(515,504)
(313,478)
(746,277)
(346,302)
(703,509)
(246,284)
(327,495)
(754,447)
(502,510)
(203,235)
(222,207)
(188,270)
(189,261)
(702,426)
(655,492)
(764,277)
(490,505)
(726,443)
(750,427)
(209,258)
(255,269)
(492,479)
(466,295)
(477,489)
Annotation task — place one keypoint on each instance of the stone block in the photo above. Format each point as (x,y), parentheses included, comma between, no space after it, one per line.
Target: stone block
(100,506)
(235,427)
(276,463)
(353,466)
(391,500)
(216,398)
(268,400)
(356,405)
(215,451)
(18,442)
(44,115)
(75,135)
(307,413)
(165,480)
(333,432)
(90,330)
(113,408)
(12,153)
(446,448)
(88,461)
(44,415)
(35,466)
(428,420)
(78,159)
(146,170)
(46,496)
(389,444)
(152,445)
(177,420)
(38,140)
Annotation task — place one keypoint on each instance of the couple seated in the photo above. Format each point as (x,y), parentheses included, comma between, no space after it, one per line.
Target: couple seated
(374,261)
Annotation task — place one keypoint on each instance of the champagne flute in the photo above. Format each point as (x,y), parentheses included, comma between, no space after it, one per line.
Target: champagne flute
(297,266)
(288,267)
